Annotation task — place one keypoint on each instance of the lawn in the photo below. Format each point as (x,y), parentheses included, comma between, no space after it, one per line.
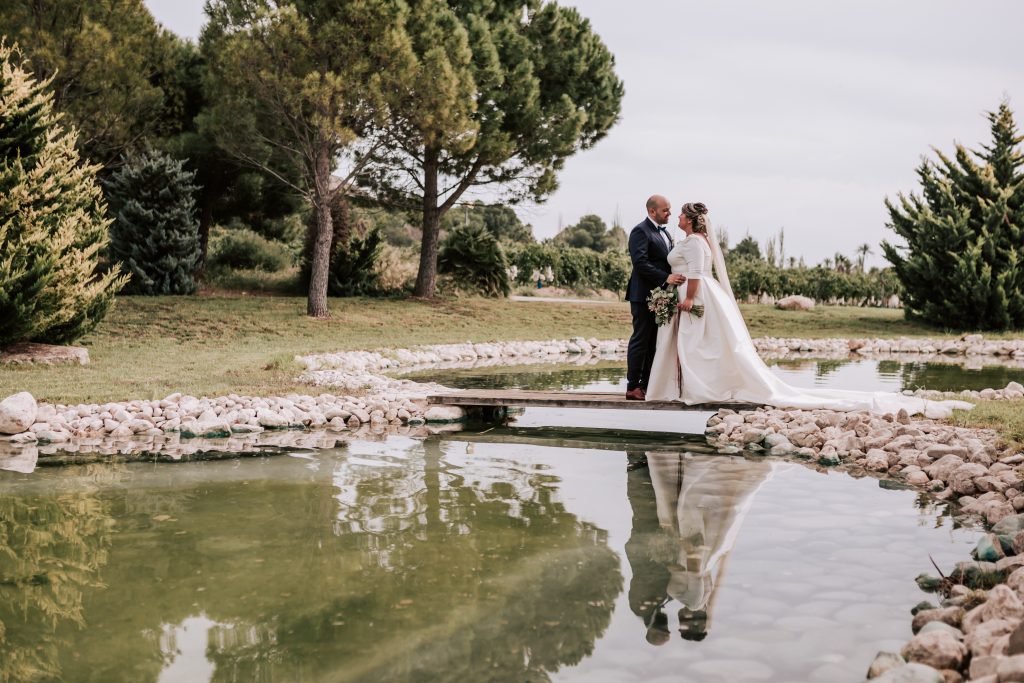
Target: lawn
(148,347)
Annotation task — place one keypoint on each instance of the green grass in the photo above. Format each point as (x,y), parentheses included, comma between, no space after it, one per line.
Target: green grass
(843,321)
(149,347)
(1006,417)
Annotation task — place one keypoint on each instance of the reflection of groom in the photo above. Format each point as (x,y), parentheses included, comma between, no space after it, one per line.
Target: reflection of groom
(687,512)
(649,244)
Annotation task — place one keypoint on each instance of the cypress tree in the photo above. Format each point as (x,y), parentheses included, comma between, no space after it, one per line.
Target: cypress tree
(964,234)
(53,222)
(155,232)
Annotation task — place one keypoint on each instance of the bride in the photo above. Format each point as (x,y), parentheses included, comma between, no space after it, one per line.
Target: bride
(711,358)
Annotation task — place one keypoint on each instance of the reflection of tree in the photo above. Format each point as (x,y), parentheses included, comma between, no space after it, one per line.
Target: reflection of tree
(954,377)
(52,547)
(465,583)
(687,512)
(352,572)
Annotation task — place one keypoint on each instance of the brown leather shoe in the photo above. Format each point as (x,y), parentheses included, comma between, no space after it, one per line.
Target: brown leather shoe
(636,395)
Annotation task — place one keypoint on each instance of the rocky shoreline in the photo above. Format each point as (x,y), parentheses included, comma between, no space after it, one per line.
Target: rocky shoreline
(975,634)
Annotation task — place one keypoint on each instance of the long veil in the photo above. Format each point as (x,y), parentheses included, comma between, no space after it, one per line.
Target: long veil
(721,273)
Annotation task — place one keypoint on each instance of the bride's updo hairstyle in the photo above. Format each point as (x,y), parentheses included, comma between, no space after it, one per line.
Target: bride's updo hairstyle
(696,212)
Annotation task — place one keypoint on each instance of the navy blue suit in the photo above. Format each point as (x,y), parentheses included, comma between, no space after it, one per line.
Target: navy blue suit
(649,255)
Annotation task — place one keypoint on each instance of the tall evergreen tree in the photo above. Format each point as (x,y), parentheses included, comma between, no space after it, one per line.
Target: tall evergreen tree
(296,84)
(53,221)
(516,87)
(155,232)
(965,235)
(107,59)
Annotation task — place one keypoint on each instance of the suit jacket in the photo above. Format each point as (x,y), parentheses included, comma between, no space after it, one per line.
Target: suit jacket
(650,260)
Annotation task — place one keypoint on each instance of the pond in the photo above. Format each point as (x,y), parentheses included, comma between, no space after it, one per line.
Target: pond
(568,546)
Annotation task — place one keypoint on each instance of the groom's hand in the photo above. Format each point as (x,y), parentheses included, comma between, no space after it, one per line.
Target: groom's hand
(676,279)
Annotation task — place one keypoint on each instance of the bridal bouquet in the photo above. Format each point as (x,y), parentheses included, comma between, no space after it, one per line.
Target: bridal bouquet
(662,303)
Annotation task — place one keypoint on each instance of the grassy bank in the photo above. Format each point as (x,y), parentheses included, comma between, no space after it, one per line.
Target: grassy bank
(149,347)
(1006,417)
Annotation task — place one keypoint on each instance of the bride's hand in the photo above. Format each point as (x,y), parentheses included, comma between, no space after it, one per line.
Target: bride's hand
(686,305)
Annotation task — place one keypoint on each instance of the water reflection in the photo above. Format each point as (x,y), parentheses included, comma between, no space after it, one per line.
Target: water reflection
(939,373)
(687,512)
(330,568)
(52,548)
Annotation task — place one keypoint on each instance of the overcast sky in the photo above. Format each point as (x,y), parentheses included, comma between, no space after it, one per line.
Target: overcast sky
(799,114)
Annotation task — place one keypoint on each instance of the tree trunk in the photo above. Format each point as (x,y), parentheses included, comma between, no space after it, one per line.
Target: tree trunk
(205,222)
(426,278)
(316,305)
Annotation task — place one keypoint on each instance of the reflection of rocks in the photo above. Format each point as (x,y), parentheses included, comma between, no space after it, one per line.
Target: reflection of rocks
(18,458)
(687,513)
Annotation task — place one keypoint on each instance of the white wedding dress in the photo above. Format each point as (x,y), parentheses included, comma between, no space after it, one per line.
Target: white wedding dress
(711,359)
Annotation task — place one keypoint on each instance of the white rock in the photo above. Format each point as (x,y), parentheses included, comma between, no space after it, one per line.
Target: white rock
(17,413)
(444,414)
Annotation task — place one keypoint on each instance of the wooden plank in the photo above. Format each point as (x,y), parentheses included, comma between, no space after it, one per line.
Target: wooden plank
(568,399)
(588,438)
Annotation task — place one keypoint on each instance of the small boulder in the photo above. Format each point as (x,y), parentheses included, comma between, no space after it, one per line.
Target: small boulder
(911,673)
(17,413)
(444,414)
(795,303)
(883,662)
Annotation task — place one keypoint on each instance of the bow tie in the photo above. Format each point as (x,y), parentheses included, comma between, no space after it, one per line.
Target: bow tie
(661,227)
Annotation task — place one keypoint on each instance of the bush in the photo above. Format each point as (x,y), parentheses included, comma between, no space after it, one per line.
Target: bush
(753,277)
(242,248)
(572,267)
(475,260)
(354,255)
(155,232)
(53,222)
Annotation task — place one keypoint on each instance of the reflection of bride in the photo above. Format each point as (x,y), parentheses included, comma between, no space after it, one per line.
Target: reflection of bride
(700,503)
(711,358)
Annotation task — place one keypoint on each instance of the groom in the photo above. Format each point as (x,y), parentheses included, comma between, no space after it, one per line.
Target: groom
(649,244)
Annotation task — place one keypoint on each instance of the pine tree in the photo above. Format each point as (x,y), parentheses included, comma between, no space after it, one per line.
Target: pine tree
(53,221)
(155,232)
(965,235)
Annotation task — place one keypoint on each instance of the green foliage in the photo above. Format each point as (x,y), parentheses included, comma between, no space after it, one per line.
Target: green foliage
(516,89)
(475,259)
(745,248)
(296,84)
(245,249)
(570,267)
(354,255)
(752,277)
(155,233)
(53,221)
(498,219)
(108,60)
(591,233)
(964,235)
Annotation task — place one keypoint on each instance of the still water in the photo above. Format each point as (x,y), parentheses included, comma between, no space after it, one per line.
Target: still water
(569,546)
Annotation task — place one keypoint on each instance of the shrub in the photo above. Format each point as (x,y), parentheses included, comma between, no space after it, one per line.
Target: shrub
(242,248)
(475,260)
(53,221)
(155,232)
(571,267)
(354,255)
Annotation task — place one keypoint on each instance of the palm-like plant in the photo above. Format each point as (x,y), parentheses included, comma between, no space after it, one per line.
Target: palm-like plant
(862,253)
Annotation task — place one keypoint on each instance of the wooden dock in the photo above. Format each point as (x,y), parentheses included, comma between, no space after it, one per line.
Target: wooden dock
(497,399)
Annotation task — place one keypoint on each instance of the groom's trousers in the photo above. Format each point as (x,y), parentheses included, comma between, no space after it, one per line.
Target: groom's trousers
(640,352)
